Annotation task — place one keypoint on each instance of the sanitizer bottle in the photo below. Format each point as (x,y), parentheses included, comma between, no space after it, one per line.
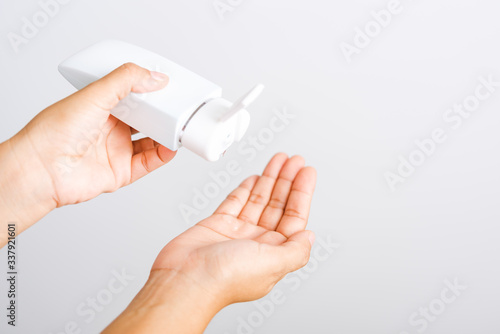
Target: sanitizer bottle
(189,112)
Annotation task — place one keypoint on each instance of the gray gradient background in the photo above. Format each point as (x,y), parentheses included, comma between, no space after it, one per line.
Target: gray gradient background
(352,122)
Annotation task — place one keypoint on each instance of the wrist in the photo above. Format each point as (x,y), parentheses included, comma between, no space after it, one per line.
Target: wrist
(170,299)
(25,186)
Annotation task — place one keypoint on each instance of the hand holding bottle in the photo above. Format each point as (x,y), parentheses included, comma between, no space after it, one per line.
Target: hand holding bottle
(75,150)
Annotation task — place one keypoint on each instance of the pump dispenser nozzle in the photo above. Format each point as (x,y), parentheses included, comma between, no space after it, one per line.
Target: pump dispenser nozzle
(243,102)
(217,124)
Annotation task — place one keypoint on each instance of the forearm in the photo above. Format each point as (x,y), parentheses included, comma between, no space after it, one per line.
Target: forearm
(24,188)
(168,303)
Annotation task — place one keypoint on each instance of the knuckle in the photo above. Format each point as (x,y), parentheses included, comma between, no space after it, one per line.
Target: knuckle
(145,163)
(257,199)
(234,198)
(277,203)
(245,219)
(131,69)
(292,212)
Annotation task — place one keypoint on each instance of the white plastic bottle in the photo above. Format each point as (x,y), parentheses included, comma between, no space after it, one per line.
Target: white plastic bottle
(189,112)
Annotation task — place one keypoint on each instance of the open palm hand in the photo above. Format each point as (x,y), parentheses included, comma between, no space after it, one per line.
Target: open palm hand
(254,238)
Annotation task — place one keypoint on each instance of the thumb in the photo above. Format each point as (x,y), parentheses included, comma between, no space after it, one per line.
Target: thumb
(295,252)
(128,78)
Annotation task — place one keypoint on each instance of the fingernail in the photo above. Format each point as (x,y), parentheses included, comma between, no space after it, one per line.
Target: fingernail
(312,238)
(159,76)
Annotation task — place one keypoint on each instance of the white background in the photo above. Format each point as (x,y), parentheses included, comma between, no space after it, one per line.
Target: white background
(353,120)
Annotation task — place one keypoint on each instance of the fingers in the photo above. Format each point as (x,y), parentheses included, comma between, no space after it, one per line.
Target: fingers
(299,203)
(144,144)
(108,91)
(261,193)
(274,210)
(236,200)
(147,157)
